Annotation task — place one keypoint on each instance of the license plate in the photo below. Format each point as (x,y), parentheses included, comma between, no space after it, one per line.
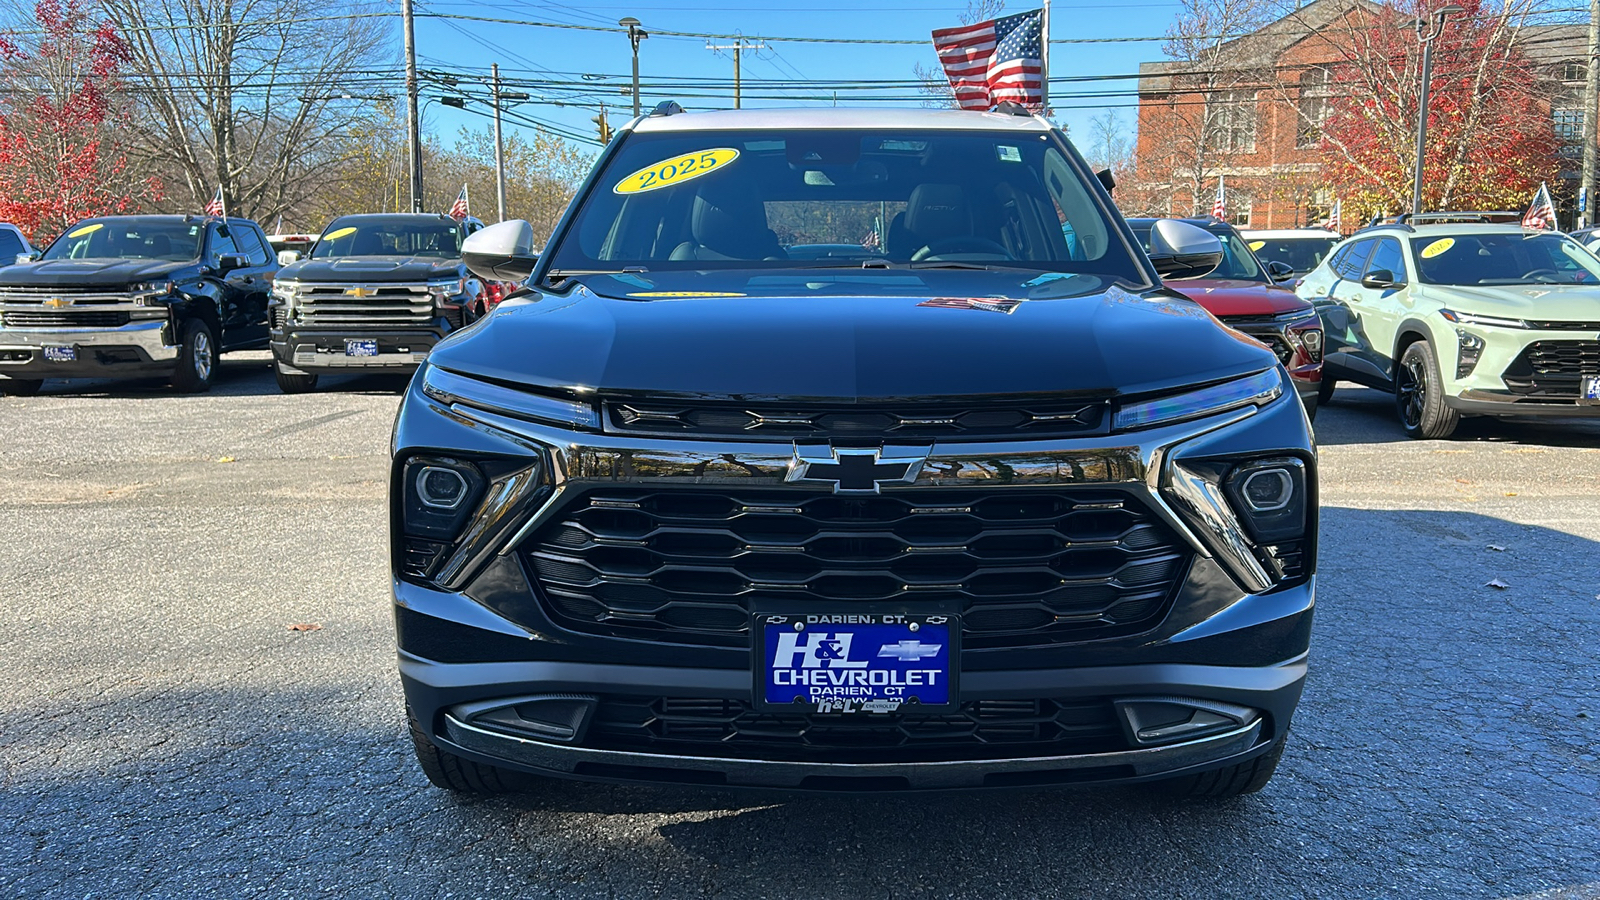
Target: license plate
(1591,388)
(857,663)
(61,354)
(360,348)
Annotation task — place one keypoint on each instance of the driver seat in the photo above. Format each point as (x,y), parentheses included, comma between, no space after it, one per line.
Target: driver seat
(934,212)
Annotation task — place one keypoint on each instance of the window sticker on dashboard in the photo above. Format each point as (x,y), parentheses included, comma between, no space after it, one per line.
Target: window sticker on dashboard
(1008,153)
(676,170)
(87,229)
(1437,247)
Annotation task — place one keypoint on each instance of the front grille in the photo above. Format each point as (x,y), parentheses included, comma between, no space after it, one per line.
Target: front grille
(1048,418)
(37,293)
(979,729)
(65,319)
(1553,369)
(1269,335)
(1021,566)
(367,305)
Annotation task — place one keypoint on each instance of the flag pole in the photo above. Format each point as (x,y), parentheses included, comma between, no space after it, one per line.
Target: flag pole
(1044,64)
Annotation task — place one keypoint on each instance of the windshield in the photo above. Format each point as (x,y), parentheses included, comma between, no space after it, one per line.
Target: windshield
(390,236)
(1301,254)
(168,239)
(841,198)
(1504,258)
(1237,261)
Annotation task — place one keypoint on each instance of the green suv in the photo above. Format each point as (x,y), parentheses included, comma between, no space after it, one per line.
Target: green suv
(1462,319)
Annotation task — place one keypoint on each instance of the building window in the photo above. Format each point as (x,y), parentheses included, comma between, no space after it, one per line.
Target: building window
(1233,119)
(1239,203)
(1572,72)
(1315,86)
(1569,124)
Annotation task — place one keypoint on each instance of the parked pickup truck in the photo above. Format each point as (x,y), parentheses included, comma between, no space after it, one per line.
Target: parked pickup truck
(377,292)
(135,296)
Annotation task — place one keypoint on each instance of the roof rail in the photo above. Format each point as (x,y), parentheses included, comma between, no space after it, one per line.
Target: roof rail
(1476,216)
(1012,108)
(666,108)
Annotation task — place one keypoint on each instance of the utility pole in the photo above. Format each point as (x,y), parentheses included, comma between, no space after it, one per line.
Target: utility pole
(1426,34)
(499,146)
(1591,99)
(413,121)
(738,47)
(635,35)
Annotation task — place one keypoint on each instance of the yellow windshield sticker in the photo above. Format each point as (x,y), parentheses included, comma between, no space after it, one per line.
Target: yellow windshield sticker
(1257,245)
(87,229)
(684,294)
(338,233)
(1437,247)
(676,170)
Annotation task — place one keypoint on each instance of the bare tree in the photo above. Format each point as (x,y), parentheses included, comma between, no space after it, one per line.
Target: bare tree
(253,95)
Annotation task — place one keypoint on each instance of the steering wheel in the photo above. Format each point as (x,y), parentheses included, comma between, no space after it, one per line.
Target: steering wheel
(960,244)
(1547,276)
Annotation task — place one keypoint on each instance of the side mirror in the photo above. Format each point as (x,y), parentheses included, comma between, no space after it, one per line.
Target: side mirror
(1380,279)
(227,262)
(286,257)
(1179,250)
(501,252)
(1280,270)
(1107,180)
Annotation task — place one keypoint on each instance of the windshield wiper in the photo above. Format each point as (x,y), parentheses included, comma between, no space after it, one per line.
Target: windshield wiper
(975,266)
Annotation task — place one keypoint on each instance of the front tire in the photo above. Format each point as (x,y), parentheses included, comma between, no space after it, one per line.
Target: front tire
(1325,388)
(451,772)
(197,358)
(293,384)
(1419,395)
(20,387)
(1227,782)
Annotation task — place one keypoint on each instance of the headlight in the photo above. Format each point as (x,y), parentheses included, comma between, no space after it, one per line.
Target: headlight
(1461,318)
(447,291)
(150,293)
(1254,390)
(286,291)
(449,388)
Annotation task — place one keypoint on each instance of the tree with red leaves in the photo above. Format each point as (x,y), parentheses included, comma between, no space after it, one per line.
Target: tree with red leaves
(62,157)
(1491,140)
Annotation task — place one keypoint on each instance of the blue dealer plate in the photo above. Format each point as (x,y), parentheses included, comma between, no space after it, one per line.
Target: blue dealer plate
(61,354)
(1591,387)
(856,663)
(360,348)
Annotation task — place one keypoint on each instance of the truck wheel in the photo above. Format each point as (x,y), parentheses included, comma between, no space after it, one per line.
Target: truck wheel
(20,387)
(1325,388)
(293,384)
(453,773)
(1419,395)
(1230,781)
(197,358)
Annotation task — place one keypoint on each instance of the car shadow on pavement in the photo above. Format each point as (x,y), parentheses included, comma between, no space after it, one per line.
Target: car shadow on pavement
(238,375)
(1360,415)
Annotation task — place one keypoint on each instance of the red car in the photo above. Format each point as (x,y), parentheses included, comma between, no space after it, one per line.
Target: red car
(1246,295)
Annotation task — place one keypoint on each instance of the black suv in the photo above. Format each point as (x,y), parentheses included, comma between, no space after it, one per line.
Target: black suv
(971,505)
(377,292)
(135,296)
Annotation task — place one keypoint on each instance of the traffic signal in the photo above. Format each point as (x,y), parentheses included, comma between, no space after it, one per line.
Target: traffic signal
(603,126)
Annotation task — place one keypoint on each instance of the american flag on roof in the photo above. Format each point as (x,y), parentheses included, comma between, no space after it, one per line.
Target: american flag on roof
(214,206)
(1001,59)
(1542,214)
(458,209)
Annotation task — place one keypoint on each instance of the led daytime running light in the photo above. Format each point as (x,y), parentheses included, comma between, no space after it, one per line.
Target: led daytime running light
(450,388)
(1461,318)
(1257,389)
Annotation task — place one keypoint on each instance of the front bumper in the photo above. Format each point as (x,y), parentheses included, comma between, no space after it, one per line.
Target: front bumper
(138,348)
(323,350)
(1505,403)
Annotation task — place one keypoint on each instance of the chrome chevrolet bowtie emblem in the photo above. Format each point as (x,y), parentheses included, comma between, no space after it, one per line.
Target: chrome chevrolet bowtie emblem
(909,651)
(854,471)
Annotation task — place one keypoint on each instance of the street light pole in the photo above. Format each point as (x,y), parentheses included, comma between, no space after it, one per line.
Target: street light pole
(1426,34)
(413,120)
(499,146)
(635,35)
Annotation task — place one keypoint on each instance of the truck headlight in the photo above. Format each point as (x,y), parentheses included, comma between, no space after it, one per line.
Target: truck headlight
(286,292)
(448,292)
(151,293)
(1253,390)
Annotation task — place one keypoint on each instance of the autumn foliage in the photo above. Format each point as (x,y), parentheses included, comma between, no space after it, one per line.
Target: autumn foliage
(61,155)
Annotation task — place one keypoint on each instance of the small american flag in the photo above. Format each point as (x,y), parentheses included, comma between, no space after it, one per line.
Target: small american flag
(1219,207)
(1542,214)
(458,209)
(1336,217)
(215,206)
(1001,59)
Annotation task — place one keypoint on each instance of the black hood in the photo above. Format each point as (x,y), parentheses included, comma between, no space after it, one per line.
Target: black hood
(368,269)
(92,272)
(854,348)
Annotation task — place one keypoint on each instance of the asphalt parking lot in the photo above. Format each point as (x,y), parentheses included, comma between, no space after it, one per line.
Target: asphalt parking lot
(163,731)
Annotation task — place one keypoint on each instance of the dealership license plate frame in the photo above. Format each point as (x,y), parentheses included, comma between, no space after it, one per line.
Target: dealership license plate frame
(60,353)
(362,348)
(893,626)
(1589,389)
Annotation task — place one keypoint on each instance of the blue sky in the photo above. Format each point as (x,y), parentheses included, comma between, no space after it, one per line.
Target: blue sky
(529,52)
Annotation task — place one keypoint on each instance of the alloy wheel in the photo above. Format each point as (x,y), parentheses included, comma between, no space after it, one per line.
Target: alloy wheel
(1413,388)
(202,355)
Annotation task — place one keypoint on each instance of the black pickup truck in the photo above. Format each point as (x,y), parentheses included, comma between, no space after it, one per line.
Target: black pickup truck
(377,292)
(135,296)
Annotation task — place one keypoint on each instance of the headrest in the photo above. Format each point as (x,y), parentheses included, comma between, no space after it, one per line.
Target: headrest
(367,243)
(730,219)
(938,211)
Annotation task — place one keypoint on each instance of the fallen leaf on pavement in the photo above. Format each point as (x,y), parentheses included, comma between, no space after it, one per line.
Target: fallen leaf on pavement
(223,459)
(1496,583)
(305,626)
(1497,548)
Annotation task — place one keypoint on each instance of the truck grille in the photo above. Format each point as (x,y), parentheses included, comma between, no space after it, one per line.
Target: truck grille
(1269,335)
(380,305)
(1022,566)
(1553,369)
(66,319)
(978,729)
(1049,418)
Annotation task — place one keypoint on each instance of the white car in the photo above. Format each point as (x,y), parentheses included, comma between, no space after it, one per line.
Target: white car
(1301,249)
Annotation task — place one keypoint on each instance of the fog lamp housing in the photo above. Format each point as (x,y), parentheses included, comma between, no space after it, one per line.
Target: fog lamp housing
(1270,498)
(1469,348)
(440,493)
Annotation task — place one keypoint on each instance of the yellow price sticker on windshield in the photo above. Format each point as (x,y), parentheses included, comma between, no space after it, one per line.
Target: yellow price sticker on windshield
(339,233)
(1257,245)
(685,294)
(87,229)
(1437,247)
(676,170)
